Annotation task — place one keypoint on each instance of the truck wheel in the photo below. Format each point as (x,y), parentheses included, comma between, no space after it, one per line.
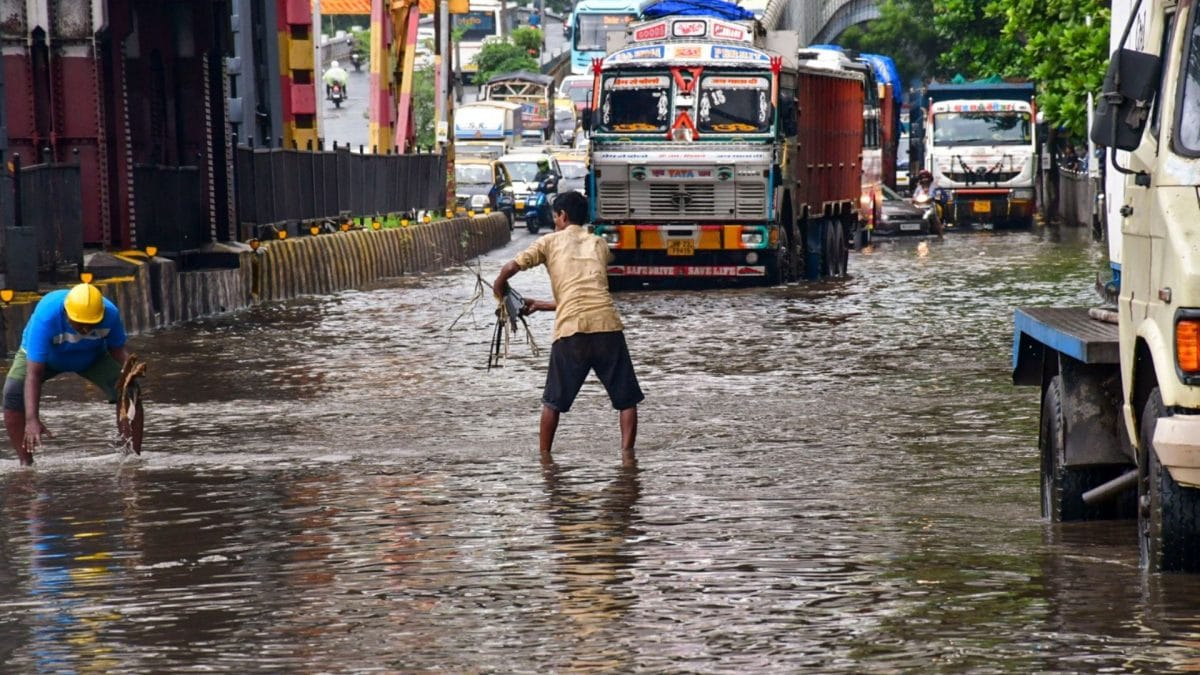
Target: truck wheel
(1062,486)
(531,223)
(779,270)
(1168,513)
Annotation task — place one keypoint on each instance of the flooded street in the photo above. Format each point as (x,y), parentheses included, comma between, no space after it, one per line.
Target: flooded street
(837,477)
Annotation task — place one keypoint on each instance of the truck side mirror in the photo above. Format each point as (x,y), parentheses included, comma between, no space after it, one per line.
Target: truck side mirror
(787,117)
(586,120)
(1124,106)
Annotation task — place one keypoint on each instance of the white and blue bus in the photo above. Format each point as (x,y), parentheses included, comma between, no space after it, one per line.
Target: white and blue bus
(485,22)
(591,22)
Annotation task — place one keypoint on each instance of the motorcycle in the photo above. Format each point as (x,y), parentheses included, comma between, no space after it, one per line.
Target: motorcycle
(930,204)
(356,60)
(537,211)
(337,94)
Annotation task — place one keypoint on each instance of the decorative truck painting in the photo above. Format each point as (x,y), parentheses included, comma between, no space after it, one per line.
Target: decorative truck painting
(716,152)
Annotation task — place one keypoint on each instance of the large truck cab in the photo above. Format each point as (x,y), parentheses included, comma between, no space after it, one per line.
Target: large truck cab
(981,147)
(1120,429)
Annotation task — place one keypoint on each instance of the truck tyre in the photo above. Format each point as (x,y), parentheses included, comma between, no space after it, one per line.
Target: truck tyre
(779,267)
(1168,513)
(531,223)
(1062,486)
(836,253)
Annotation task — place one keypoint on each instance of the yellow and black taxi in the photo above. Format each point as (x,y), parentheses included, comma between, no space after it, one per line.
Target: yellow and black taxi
(482,184)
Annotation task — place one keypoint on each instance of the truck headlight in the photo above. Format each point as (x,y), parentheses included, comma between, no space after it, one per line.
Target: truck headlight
(1187,345)
(752,238)
(1023,193)
(479,201)
(610,237)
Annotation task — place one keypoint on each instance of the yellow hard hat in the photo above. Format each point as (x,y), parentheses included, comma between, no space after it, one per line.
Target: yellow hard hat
(85,304)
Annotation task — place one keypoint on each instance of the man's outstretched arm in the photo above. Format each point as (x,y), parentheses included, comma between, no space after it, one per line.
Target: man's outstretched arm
(500,285)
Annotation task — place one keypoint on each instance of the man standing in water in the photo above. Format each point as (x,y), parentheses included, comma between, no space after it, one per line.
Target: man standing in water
(588,334)
(76,331)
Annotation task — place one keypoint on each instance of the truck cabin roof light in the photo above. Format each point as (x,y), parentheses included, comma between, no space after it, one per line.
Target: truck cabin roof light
(1187,345)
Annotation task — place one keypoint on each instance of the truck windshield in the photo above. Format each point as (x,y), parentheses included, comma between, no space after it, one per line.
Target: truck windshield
(473,174)
(734,104)
(981,128)
(1188,130)
(591,30)
(635,103)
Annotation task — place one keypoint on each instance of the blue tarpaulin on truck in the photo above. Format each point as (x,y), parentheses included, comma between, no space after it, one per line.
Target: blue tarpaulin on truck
(717,8)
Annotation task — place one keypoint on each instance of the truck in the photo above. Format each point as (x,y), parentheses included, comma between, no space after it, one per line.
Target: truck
(534,92)
(1119,435)
(719,150)
(981,146)
(487,128)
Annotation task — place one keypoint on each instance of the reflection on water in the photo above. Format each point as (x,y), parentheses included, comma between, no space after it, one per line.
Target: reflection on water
(834,476)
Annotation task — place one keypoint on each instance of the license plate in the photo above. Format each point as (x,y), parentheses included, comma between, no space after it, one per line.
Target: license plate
(681,247)
(520,204)
(909,227)
(981,207)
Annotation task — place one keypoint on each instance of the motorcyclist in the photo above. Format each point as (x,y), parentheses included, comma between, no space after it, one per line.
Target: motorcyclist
(923,195)
(335,75)
(544,181)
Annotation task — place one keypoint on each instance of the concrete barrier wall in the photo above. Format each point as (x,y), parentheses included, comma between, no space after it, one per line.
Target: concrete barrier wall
(153,293)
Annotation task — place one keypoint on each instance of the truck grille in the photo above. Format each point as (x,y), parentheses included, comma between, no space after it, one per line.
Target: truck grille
(679,201)
(982,178)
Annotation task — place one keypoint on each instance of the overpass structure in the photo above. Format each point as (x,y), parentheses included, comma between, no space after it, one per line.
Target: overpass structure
(818,21)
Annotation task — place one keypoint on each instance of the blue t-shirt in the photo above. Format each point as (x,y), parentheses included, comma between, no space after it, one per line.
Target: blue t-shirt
(49,338)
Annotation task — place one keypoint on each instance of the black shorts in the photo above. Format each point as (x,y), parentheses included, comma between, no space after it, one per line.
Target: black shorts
(573,356)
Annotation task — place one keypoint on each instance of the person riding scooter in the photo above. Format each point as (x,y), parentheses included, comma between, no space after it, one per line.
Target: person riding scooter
(924,197)
(545,183)
(335,75)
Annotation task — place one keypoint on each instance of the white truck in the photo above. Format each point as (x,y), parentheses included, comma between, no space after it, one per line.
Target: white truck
(487,128)
(981,147)
(1120,404)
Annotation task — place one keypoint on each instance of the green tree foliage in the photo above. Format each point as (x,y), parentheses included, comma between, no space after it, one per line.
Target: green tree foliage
(529,39)
(904,31)
(502,57)
(1045,41)
(424,116)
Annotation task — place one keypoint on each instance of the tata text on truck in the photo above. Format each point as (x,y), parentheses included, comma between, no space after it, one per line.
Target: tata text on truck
(981,146)
(1120,411)
(716,152)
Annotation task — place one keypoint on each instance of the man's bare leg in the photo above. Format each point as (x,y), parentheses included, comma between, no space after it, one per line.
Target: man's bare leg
(629,424)
(14,424)
(546,430)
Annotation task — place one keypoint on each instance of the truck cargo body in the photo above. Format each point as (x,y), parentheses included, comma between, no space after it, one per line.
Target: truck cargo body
(1120,386)
(713,157)
(487,128)
(981,146)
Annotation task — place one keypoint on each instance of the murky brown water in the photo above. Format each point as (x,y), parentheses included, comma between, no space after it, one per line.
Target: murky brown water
(836,477)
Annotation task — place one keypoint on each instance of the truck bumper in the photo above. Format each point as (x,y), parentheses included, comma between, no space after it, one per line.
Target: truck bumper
(1177,442)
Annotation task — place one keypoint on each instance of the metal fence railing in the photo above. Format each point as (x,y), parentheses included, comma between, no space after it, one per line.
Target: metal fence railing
(169,206)
(1076,198)
(44,235)
(276,186)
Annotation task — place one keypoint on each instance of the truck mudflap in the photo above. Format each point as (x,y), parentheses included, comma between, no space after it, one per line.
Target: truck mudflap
(1177,442)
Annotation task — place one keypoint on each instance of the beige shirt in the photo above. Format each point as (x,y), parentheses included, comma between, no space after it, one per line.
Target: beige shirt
(578,267)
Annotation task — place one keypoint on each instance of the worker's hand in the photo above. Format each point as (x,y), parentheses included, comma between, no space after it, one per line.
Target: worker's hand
(34,430)
(499,289)
(529,307)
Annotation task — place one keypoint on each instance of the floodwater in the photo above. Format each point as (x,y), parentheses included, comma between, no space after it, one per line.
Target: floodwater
(834,477)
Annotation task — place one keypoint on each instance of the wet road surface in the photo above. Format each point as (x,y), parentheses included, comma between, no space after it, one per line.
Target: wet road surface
(836,477)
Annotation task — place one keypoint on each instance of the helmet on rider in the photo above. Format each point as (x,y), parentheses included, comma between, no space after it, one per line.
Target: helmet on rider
(333,64)
(84,304)
(543,164)
(924,176)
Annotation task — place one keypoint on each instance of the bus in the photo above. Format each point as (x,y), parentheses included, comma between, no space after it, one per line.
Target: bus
(485,22)
(591,23)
